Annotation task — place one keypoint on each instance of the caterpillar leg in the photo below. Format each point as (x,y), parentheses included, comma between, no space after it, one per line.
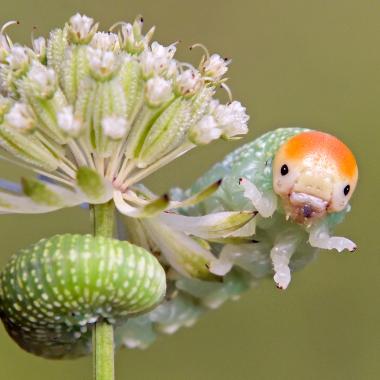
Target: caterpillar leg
(320,238)
(280,255)
(252,257)
(264,202)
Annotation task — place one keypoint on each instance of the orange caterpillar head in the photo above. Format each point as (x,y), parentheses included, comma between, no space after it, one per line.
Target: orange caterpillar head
(314,173)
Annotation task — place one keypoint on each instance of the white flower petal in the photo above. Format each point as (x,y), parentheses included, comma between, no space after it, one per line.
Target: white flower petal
(183,253)
(147,211)
(211,226)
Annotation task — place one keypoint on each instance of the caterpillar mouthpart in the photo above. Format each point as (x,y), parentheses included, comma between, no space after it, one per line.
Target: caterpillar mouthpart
(53,292)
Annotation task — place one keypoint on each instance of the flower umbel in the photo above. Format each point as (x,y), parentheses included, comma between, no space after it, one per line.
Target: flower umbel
(110,104)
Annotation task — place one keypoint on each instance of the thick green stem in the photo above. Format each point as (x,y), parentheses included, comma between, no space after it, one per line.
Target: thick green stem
(103,351)
(103,216)
(102,335)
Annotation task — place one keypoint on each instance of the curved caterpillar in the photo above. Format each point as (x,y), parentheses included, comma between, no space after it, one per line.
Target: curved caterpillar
(53,292)
(300,182)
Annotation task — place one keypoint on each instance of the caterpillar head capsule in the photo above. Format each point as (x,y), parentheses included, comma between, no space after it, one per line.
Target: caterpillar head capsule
(314,173)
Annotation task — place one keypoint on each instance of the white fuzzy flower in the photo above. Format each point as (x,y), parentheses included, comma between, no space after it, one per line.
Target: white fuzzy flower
(115,127)
(133,40)
(81,26)
(110,102)
(205,131)
(18,58)
(160,51)
(102,63)
(105,41)
(158,60)
(215,66)
(21,117)
(188,82)
(43,79)
(158,90)
(232,119)
(67,122)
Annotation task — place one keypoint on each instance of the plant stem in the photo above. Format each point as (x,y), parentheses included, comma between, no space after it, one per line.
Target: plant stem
(103,219)
(102,334)
(103,351)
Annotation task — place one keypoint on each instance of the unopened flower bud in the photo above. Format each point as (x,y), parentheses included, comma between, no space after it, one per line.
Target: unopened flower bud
(188,82)
(43,80)
(21,117)
(102,63)
(67,121)
(158,60)
(158,91)
(215,67)
(115,127)
(18,59)
(205,131)
(232,119)
(105,41)
(133,41)
(81,28)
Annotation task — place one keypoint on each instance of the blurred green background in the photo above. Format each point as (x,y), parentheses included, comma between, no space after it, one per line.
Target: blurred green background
(295,62)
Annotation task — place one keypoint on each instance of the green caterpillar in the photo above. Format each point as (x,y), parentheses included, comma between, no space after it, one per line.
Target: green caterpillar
(282,176)
(53,292)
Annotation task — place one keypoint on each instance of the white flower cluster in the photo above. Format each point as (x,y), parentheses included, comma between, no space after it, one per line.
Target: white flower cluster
(158,60)
(110,101)
(21,117)
(43,79)
(102,62)
(18,59)
(133,40)
(82,28)
(227,121)
(215,66)
(105,41)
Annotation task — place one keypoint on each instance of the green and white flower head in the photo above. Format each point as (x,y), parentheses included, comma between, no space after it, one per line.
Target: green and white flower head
(111,104)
